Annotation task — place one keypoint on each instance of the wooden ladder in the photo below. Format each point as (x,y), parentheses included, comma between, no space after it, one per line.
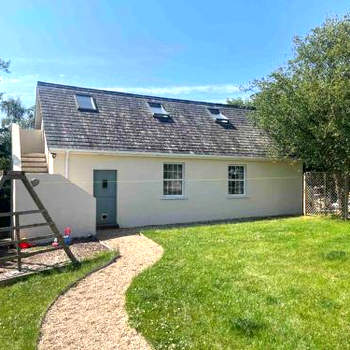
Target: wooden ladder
(15,226)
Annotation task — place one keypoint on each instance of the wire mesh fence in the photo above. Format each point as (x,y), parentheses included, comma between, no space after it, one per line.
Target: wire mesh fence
(324,193)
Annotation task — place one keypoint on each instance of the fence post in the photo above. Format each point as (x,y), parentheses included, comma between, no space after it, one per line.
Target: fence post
(18,238)
(304,194)
(346,196)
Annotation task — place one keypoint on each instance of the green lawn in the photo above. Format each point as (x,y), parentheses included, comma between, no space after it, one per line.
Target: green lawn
(23,304)
(273,284)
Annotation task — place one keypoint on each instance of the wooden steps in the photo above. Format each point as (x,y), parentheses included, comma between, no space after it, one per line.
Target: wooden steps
(34,163)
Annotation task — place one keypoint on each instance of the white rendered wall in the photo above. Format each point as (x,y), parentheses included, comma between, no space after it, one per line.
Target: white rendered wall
(68,205)
(31,141)
(16,147)
(273,188)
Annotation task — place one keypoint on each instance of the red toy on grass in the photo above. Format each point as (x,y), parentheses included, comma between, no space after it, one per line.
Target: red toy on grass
(67,238)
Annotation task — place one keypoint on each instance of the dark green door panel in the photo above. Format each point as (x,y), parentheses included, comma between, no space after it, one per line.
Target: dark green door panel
(105,191)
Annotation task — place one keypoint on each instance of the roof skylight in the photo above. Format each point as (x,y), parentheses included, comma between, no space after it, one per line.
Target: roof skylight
(218,116)
(158,110)
(86,103)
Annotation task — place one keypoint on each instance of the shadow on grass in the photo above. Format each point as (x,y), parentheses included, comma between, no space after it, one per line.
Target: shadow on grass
(105,234)
(247,326)
(336,255)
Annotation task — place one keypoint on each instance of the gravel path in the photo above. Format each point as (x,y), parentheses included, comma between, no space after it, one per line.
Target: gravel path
(92,314)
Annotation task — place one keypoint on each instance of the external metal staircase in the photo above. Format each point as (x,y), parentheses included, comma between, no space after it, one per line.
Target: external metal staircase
(34,163)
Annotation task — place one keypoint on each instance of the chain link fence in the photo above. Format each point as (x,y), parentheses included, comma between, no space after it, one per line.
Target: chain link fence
(323,193)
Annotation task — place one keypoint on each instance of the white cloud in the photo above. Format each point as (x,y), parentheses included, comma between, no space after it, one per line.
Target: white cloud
(10,80)
(22,86)
(13,81)
(23,79)
(180,90)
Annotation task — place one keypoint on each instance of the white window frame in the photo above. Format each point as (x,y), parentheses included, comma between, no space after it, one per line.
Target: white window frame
(174,196)
(244,194)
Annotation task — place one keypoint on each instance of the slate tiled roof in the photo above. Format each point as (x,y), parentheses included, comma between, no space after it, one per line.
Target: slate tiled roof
(124,122)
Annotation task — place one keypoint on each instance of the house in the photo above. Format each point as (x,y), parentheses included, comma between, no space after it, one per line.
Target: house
(107,158)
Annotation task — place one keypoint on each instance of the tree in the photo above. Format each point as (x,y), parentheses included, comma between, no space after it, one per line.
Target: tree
(305,106)
(240,102)
(14,112)
(4,137)
(4,65)
(5,149)
(5,193)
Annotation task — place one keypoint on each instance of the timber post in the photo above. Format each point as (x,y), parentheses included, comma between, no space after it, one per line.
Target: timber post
(346,197)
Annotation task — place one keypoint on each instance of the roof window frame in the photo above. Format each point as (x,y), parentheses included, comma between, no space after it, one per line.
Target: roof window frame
(84,109)
(164,115)
(218,116)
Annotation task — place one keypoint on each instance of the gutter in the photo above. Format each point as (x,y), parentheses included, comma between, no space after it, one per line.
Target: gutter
(66,165)
(163,155)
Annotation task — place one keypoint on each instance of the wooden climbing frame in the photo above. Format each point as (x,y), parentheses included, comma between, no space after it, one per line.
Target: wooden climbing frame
(15,226)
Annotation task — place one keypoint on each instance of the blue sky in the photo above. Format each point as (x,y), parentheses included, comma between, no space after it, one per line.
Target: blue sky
(190,49)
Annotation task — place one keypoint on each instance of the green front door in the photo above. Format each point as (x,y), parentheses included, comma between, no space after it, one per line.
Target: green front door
(105,192)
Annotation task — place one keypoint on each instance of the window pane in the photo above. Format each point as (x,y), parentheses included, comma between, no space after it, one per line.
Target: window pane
(172,179)
(166,188)
(178,171)
(172,171)
(236,178)
(214,111)
(236,172)
(177,187)
(157,108)
(236,187)
(172,188)
(85,102)
(166,171)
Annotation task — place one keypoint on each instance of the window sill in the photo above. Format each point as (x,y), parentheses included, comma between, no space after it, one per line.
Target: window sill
(236,196)
(173,197)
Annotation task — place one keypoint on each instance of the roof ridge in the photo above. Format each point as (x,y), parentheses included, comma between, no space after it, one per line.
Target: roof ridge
(119,93)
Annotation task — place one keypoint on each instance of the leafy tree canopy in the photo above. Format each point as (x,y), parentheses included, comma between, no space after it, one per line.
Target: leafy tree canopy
(305,106)
(13,112)
(240,102)
(4,65)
